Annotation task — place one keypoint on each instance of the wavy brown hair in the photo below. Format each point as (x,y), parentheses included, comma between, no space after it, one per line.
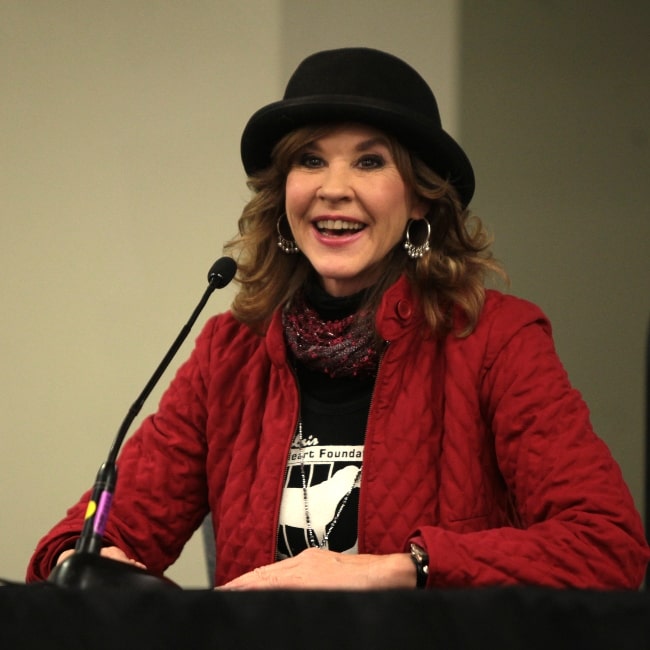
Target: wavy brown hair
(452,274)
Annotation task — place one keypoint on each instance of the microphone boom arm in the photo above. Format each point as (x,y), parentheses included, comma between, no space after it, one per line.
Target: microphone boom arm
(99,505)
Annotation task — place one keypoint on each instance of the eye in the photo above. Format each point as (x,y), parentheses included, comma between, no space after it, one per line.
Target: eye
(371,161)
(309,160)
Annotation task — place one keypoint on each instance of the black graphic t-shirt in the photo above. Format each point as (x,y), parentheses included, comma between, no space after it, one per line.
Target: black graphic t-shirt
(333,431)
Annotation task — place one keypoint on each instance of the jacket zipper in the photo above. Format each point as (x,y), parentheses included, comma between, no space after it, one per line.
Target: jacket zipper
(365,440)
(286,465)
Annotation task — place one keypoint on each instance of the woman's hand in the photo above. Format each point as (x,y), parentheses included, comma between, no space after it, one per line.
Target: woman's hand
(319,569)
(109,551)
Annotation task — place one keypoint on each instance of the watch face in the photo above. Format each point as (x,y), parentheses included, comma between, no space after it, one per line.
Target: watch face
(421,560)
(419,553)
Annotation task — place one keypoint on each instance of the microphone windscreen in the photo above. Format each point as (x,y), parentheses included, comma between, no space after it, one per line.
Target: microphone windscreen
(222,272)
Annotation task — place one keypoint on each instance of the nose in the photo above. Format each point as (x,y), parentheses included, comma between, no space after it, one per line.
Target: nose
(335,183)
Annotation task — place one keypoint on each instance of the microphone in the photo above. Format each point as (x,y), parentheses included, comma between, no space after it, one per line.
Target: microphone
(85,567)
(222,272)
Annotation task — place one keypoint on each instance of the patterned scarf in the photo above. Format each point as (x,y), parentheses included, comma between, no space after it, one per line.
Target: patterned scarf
(338,347)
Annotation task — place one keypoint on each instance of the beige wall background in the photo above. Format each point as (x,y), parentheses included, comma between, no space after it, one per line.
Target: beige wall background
(120,181)
(555,110)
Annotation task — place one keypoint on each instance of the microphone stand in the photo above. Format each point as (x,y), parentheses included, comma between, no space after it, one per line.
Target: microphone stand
(86,567)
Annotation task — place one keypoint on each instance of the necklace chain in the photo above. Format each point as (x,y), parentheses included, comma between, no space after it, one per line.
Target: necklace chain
(313,540)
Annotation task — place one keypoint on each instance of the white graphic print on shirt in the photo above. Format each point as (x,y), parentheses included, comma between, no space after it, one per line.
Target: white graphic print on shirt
(330,472)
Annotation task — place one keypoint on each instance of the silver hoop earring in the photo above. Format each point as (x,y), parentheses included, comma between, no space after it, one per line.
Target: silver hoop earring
(287,246)
(417,251)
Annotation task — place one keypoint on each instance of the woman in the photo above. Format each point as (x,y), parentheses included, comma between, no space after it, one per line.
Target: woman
(367,415)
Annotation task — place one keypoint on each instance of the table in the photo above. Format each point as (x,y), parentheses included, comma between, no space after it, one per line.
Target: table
(44,615)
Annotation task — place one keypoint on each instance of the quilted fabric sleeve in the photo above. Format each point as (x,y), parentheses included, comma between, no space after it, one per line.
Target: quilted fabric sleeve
(577,525)
(160,496)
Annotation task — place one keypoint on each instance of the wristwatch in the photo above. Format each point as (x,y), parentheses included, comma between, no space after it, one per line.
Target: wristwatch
(421,560)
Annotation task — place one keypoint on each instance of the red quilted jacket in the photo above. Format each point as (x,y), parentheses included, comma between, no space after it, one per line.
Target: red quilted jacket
(476,447)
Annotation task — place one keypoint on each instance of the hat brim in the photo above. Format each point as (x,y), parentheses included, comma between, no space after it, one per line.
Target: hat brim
(434,146)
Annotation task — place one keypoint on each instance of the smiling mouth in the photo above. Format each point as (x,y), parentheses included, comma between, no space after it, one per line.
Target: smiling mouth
(338,227)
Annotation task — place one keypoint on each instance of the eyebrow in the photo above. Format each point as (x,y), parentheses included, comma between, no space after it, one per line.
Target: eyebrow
(372,142)
(364,145)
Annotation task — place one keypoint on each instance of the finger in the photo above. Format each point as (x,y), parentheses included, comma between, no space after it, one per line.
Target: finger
(264,577)
(137,564)
(64,555)
(118,554)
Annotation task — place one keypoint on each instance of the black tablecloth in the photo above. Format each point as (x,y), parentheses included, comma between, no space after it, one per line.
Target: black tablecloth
(45,616)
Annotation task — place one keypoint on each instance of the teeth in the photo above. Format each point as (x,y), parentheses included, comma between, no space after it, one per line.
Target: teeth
(338,224)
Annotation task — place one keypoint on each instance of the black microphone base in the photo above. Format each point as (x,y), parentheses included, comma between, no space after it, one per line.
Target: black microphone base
(88,571)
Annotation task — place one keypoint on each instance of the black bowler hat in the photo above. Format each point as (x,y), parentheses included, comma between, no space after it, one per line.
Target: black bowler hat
(360,85)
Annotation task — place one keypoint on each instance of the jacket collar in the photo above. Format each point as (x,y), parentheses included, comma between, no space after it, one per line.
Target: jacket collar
(399,310)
